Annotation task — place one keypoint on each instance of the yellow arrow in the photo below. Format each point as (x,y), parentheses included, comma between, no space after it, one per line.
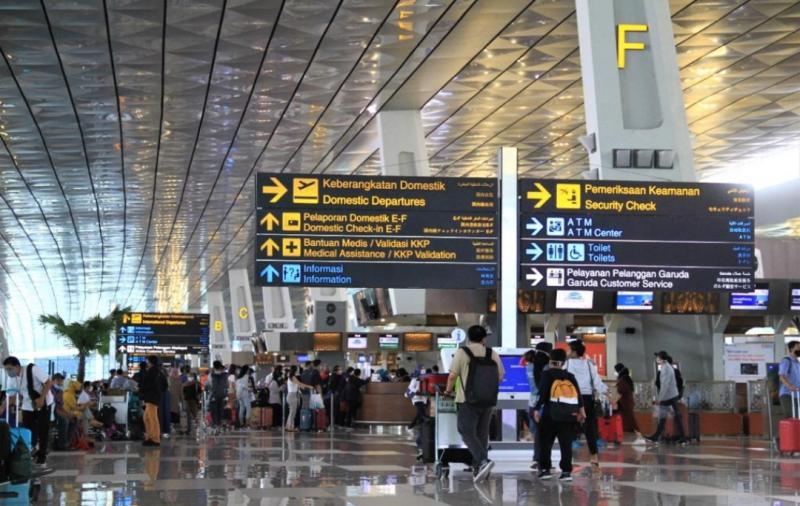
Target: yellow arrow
(541,195)
(278,190)
(270,246)
(269,221)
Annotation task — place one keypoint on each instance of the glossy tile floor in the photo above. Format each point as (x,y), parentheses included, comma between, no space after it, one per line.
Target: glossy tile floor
(363,469)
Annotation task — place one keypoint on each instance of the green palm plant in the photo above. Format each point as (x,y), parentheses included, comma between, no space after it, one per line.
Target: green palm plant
(90,336)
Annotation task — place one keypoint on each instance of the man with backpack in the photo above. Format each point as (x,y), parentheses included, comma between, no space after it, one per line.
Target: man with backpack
(669,385)
(475,376)
(591,386)
(34,386)
(559,409)
(218,398)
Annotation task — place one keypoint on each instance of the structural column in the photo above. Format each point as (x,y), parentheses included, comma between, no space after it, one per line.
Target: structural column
(220,342)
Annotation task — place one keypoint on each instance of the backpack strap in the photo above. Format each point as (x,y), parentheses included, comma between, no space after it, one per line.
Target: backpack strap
(468,352)
(488,352)
(29,376)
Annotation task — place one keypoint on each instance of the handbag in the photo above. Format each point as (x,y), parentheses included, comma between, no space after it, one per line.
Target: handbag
(316,401)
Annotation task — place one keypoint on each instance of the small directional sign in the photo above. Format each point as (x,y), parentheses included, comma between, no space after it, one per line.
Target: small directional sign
(270,273)
(534,277)
(269,221)
(539,196)
(533,251)
(534,226)
(277,189)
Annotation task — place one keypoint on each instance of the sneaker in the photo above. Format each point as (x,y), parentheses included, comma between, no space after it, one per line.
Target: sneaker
(639,441)
(565,477)
(151,443)
(483,471)
(651,440)
(534,466)
(545,475)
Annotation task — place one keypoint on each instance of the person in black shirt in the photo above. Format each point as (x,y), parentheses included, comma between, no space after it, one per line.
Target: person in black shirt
(352,394)
(549,415)
(152,388)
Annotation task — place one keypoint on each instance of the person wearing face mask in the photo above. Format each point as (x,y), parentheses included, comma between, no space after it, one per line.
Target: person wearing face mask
(626,402)
(789,375)
(667,398)
(536,363)
(34,387)
(585,372)
(245,394)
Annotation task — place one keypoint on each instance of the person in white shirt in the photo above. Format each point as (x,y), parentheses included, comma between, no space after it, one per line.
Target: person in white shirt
(37,402)
(245,394)
(590,383)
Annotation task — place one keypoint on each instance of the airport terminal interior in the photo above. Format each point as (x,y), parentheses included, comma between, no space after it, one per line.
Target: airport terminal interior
(253,251)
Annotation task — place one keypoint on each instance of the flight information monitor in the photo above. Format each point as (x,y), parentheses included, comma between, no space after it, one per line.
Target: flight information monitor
(380,232)
(635,236)
(162,333)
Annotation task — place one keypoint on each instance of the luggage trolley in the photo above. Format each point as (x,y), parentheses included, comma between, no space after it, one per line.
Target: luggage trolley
(449,447)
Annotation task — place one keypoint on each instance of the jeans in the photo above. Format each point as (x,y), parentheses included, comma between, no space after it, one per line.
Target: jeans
(420,416)
(152,426)
(662,419)
(533,427)
(38,422)
(590,425)
(549,430)
(63,436)
(244,412)
(473,425)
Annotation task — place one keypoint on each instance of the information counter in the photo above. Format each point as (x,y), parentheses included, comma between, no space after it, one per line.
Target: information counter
(386,403)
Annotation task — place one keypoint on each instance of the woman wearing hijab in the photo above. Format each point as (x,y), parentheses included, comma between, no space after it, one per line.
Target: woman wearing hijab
(626,403)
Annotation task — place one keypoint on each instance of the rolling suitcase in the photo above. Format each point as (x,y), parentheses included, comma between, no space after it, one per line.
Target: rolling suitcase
(320,419)
(266,417)
(306,419)
(789,430)
(17,466)
(254,421)
(609,426)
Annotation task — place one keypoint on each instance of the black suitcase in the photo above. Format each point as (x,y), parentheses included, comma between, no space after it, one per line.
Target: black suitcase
(428,450)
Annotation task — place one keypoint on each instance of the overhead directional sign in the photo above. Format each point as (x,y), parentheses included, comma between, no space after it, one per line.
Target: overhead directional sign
(163,333)
(608,235)
(378,232)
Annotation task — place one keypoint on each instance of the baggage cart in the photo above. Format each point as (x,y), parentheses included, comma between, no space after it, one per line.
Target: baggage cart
(449,448)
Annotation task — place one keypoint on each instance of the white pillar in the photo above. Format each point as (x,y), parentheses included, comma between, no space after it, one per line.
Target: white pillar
(509,244)
(278,315)
(242,312)
(220,348)
(402,144)
(403,153)
(640,106)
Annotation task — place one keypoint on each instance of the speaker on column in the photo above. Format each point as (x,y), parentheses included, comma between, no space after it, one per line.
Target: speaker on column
(330,316)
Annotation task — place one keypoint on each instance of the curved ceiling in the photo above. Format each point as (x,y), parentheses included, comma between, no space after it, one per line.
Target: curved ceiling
(131,129)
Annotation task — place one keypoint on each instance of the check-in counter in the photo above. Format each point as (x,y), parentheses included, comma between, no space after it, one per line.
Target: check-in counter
(386,403)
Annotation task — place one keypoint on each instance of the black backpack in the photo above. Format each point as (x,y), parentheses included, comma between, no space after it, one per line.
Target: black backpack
(483,382)
(679,382)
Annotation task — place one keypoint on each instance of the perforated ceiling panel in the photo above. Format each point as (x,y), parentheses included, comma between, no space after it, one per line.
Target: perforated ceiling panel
(131,129)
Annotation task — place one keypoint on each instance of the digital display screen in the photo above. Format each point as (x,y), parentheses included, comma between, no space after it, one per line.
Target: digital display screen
(635,301)
(516,379)
(574,299)
(302,358)
(756,300)
(357,342)
(389,342)
(445,341)
(163,333)
(795,298)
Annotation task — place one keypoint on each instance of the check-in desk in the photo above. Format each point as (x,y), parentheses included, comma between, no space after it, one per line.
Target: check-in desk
(386,403)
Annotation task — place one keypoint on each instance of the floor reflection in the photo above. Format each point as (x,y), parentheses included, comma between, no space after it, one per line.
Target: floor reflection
(262,468)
